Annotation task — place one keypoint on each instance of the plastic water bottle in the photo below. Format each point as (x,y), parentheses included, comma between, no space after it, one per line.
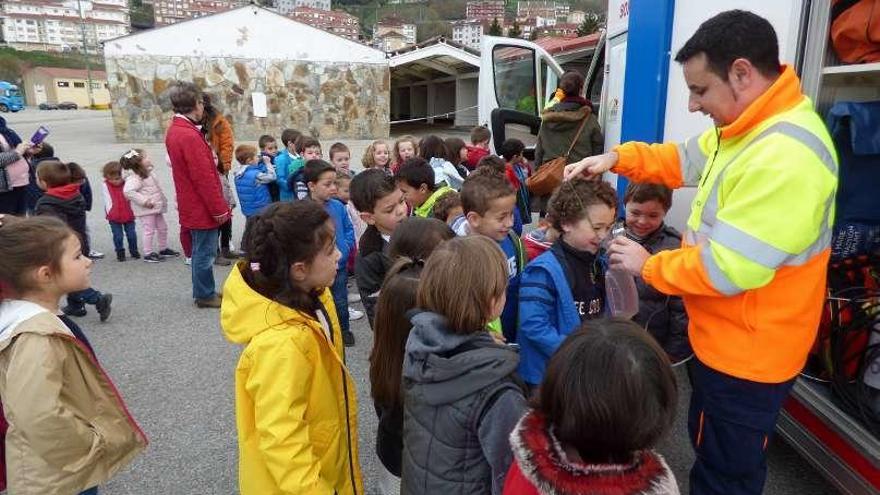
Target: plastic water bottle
(620,288)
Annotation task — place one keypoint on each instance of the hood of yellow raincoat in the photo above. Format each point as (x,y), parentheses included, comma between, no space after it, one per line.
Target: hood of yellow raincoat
(246,313)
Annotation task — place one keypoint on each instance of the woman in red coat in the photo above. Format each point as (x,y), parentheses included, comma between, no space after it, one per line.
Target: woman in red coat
(589,434)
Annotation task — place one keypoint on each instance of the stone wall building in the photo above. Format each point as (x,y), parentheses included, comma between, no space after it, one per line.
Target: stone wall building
(317,82)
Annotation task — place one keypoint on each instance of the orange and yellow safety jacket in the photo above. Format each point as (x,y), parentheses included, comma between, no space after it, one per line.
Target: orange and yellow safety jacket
(752,265)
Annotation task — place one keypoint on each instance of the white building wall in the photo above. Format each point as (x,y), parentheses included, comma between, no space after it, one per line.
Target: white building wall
(247,32)
(468,34)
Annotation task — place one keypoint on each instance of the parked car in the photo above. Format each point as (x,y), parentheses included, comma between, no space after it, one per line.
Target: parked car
(67,105)
(48,106)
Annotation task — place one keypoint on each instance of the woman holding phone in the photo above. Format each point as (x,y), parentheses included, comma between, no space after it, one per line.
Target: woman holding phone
(13,171)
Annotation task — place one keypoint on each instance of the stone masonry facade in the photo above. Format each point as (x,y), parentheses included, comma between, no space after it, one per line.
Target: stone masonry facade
(325,100)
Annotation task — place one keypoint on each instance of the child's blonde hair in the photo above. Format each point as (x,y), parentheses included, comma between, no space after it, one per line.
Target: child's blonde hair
(395,153)
(368,161)
(462,280)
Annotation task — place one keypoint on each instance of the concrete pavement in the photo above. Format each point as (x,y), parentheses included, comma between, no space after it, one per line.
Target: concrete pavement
(175,370)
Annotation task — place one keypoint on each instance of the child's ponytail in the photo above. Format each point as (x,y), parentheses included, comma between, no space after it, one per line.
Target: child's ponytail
(281,235)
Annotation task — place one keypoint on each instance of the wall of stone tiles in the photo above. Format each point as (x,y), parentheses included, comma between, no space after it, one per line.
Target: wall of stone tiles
(325,100)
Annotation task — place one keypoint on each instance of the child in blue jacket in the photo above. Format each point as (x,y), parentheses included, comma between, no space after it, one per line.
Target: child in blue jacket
(565,286)
(252,179)
(283,162)
(320,177)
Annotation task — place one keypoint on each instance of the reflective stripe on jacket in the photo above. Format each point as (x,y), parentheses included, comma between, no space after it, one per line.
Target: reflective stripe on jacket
(752,265)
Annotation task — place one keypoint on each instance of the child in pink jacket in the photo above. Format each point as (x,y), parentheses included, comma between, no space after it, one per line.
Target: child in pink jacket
(148,203)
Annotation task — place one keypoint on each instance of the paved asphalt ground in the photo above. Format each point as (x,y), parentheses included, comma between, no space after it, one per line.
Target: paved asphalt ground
(175,369)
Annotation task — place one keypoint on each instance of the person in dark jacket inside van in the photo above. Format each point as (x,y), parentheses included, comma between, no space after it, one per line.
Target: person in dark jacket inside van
(560,124)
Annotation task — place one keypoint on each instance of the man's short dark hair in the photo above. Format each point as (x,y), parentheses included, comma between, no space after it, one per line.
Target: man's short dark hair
(368,187)
(184,96)
(731,35)
(511,148)
(415,172)
(313,170)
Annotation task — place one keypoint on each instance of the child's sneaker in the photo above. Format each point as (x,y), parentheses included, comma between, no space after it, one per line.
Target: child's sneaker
(78,311)
(187,260)
(168,253)
(120,255)
(96,255)
(103,306)
(153,258)
(135,255)
(354,314)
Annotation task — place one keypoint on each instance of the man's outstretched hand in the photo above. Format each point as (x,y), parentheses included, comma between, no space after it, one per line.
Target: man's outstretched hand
(591,166)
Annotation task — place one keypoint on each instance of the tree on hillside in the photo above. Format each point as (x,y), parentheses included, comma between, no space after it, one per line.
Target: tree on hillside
(590,25)
(495,28)
(515,31)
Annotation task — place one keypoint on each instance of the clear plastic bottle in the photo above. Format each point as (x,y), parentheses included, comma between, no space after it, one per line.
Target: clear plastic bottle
(620,288)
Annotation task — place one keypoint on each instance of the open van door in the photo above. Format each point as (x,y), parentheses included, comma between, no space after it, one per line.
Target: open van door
(517,78)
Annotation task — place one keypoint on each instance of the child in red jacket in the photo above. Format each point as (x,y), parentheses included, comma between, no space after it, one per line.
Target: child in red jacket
(118,211)
(479,147)
(600,440)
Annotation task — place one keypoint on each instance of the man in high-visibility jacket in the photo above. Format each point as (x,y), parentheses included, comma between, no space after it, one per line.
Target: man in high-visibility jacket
(752,265)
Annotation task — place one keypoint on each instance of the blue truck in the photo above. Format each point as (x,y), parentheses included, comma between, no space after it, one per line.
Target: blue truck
(10,97)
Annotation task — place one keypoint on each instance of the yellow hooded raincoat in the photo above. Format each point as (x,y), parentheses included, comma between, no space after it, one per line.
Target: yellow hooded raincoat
(295,403)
